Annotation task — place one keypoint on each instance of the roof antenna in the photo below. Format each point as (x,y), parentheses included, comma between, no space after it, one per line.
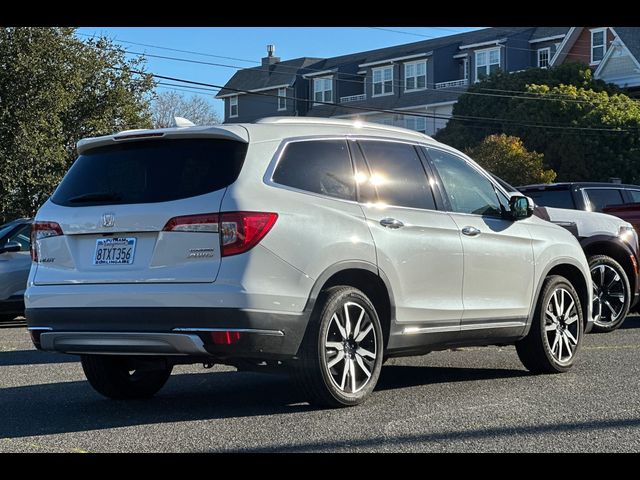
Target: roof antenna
(181,122)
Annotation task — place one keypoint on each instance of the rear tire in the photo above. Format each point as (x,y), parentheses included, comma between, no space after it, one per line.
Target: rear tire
(611,293)
(113,377)
(556,331)
(341,354)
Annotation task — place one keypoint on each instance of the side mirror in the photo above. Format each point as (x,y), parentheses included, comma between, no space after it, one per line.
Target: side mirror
(520,207)
(11,247)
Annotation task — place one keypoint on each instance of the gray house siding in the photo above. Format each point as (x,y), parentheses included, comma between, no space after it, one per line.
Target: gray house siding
(517,52)
(255,106)
(444,68)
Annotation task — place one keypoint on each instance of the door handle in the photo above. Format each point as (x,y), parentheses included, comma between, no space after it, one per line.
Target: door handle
(391,223)
(470,231)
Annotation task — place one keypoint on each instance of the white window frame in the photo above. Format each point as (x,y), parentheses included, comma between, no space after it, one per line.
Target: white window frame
(604,44)
(541,50)
(487,51)
(465,68)
(233,102)
(373,82)
(282,96)
(415,77)
(320,81)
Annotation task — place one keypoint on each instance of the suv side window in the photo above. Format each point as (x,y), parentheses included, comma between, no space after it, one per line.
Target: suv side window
(603,197)
(467,190)
(317,166)
(398,174)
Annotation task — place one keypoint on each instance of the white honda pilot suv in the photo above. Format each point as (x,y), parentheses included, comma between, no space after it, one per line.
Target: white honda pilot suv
(318,245)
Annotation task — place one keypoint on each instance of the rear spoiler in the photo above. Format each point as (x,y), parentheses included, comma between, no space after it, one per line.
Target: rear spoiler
(227,132)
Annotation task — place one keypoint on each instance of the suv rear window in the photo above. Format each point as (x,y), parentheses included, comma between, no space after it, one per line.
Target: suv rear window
(150,171)
(551,198)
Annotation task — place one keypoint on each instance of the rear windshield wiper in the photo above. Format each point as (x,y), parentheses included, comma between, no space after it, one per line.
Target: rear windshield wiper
(95,197)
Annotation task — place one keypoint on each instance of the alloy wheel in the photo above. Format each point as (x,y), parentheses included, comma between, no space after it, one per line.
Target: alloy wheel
(351,348)
(561,325)
(608,294)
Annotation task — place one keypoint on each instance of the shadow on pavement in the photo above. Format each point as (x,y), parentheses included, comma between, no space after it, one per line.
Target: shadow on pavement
(34,357)
(73,406)
(459,435)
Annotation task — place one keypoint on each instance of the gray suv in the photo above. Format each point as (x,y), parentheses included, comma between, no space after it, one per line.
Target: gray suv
(317,245)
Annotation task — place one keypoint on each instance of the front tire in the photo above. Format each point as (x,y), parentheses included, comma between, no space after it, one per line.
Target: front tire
(611,293)
(114,377)
(341,355)
(556,331)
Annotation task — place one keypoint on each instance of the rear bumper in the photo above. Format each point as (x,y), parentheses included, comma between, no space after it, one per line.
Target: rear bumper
(167,331)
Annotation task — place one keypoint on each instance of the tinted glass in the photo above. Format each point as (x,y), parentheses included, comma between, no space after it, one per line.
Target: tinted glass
(318,166)
(366,191)
(551,198)
(603,197)
(398,174)
(635,195)
(468,191)
(150,171)
(22,236)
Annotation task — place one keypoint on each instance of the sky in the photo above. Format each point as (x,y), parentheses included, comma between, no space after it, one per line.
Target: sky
(247,45)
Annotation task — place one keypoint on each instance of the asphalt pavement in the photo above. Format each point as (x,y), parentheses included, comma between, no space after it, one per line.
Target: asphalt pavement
(467,400)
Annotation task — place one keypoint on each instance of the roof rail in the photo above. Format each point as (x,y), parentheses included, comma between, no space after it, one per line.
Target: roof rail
(338,122)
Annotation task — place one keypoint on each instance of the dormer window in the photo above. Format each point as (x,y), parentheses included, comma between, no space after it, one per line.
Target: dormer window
(415,76)
(233,106)
(544,55)
(323,89)
(487,62)
(383,81)
(598,44)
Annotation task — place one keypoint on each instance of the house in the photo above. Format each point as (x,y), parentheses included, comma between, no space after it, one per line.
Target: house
(415,85)
(612,52)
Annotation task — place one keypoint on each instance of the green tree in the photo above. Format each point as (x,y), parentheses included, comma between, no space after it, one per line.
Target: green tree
(506,157)
(587,130)
(495,96)
(54,90)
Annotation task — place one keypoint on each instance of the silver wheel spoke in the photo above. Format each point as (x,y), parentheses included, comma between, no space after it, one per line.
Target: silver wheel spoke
(619,296)
(340,327)
(561,302)
(347,320)
(344,375)
(568,310)
(559,347)
(352,374)
(363,352)
(555,300)
(336,345)
(549,328)
(552,316)
(363,366)
(570,320)
(615,279)
(364,333)
(356,330)
(571,337)
(338,358)
(601,275)
(606,302)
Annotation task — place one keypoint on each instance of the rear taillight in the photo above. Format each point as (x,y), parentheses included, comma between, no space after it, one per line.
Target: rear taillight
(40,230)
(239,231)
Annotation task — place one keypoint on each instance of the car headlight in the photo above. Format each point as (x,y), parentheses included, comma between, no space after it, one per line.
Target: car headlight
(628,234)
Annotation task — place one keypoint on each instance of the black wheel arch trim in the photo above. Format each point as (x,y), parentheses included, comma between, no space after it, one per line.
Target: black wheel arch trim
(538,288)
(338,267)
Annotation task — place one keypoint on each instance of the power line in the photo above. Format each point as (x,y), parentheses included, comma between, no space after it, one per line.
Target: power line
(396,112)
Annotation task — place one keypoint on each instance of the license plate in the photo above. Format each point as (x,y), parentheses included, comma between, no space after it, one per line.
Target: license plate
(114,251)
